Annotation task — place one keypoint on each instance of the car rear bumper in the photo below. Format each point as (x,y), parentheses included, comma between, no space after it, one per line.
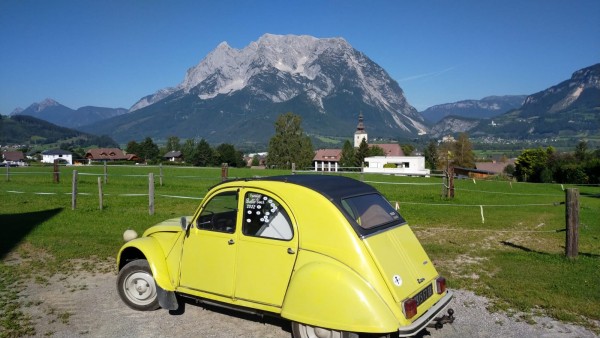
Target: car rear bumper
(429,316)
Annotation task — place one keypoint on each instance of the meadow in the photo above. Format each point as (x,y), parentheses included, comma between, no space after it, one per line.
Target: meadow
(503,240)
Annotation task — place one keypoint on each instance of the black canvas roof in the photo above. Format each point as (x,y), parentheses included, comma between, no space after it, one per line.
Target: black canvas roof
(332,187)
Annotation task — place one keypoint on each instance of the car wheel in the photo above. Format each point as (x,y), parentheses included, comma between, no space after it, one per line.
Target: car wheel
(137,287)
(300,330)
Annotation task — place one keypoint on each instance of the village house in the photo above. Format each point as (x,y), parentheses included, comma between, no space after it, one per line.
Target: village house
(327,159)
(109,155)
(13,158)
(49,156)
(173,156)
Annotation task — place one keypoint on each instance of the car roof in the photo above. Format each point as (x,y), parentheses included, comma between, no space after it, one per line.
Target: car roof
(333,187)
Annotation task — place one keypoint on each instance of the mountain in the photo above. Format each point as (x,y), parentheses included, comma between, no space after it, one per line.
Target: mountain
(487,107)
(570,109)
(451,125)
(25,129)
(54,112)
(235,95)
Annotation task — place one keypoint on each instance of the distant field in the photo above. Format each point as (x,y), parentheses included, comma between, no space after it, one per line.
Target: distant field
(500,239)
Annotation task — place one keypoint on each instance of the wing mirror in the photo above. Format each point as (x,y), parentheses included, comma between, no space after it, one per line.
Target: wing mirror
(184,224)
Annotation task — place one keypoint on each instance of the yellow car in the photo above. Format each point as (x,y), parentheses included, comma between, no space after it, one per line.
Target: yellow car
(328,253)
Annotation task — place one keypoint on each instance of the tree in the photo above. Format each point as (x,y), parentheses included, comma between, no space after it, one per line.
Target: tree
(445,155)
(173,144)
(463,152)
(133,148)
(255,160)
(348,158)
(226,153)
(408,149)
(205,154)
(431,153)
(148,150)
(531,162)
(376,150)
(362,152)
(188,151)
(581,151)
(289,144)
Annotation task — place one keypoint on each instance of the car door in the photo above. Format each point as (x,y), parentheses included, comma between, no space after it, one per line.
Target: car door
(267,248)
(209,250)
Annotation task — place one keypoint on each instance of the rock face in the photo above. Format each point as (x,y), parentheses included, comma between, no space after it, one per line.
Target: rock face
(235,95)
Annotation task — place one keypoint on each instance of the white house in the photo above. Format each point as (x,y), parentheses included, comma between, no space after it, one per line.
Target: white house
(48,156)
(404,165)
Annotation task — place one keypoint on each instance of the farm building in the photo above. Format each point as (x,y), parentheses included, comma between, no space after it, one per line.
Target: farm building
(397,165)
(49,156)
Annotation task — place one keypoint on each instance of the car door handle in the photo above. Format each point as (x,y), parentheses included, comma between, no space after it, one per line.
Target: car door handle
(291,251)
(230,242)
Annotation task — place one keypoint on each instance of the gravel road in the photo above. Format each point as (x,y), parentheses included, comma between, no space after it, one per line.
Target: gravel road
(87,304)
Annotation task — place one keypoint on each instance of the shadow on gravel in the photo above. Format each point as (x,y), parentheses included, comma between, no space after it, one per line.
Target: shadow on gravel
(255,317)
(15,227)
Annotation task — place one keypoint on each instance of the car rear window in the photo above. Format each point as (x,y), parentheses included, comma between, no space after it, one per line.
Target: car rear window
(371,211)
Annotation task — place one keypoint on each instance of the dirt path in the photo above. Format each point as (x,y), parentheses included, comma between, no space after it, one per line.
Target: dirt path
(87,305)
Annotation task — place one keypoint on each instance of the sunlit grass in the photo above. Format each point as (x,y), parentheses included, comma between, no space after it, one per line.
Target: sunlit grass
(513,254)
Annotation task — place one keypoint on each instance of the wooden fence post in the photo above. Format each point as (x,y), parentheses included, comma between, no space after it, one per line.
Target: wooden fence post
(151,193)
(74,191)
(572,219)
(105,173)
(224,172)
(161,174)
(451,182)
(55,173)
(100,195)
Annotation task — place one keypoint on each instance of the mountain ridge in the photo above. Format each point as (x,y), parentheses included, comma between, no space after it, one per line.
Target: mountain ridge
(487,107)
(325,81)
(60,115)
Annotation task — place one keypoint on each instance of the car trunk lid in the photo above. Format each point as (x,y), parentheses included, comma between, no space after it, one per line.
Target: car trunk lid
(402,262)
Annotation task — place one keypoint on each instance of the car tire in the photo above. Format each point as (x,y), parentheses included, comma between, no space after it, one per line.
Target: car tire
(137,287)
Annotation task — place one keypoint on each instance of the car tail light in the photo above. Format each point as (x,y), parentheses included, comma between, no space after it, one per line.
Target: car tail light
(409,307)
(440,285)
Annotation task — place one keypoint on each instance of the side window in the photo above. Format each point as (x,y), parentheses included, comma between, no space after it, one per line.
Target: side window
(220,213)
(264,217)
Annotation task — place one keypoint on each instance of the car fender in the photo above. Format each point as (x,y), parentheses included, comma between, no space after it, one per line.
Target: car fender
(151,249)
(328,294)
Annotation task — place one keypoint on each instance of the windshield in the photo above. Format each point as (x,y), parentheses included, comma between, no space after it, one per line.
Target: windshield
(371,211)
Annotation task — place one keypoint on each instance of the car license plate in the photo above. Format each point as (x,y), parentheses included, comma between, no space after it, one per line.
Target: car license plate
(424,294)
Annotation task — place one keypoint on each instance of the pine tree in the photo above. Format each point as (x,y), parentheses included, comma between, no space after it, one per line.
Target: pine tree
(289,144)
(347,158)
(361,153)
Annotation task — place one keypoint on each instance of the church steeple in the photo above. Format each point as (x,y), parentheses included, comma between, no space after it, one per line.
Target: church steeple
(360,133)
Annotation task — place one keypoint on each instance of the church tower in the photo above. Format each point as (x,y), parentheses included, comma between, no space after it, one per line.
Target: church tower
(360,133)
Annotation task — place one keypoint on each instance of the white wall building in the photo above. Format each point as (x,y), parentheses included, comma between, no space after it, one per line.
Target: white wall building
(48,156)
(405,165)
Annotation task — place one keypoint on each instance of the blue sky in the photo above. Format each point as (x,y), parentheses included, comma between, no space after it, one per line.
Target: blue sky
(111,53)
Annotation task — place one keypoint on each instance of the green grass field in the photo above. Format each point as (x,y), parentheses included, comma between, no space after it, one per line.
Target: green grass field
(502,240)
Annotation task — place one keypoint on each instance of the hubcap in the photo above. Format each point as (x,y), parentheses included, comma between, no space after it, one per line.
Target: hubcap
(140,288)
(318,332)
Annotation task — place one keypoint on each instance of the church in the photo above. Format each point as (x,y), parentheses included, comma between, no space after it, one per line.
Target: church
(394,161)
